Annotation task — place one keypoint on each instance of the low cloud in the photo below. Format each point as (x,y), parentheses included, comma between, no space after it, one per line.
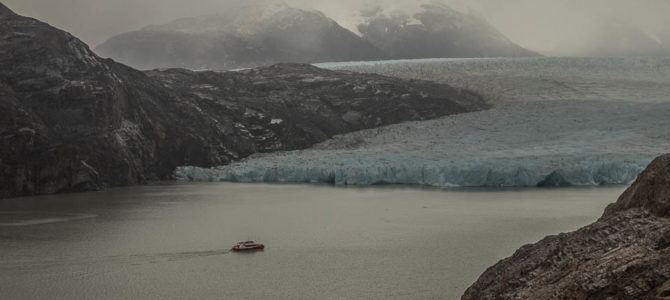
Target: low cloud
(542,25)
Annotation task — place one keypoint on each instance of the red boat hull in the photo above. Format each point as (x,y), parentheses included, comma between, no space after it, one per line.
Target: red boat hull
(239,248)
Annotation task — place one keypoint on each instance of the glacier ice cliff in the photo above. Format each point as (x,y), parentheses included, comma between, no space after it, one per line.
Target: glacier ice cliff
(562,143)
(499,173)
(555,122)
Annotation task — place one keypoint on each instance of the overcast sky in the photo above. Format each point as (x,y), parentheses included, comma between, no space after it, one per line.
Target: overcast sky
(535,24)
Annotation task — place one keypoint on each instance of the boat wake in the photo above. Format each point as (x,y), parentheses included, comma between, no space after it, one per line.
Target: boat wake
(173,256)
(132,260)
(16,219)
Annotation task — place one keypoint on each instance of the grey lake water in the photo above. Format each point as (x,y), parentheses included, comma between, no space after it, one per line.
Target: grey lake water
(171,241)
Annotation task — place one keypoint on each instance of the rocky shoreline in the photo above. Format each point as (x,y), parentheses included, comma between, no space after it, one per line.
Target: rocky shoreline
(624,255)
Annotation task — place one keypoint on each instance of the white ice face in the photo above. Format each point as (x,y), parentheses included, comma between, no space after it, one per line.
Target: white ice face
(555,121)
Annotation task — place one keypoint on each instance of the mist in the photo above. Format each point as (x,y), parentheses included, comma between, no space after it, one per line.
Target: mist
(547,26)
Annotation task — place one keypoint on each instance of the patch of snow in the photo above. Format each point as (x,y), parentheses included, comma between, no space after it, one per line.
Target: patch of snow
(203,96)
(27,130)
(320,79)
(127,131)
(89,167)
(253,113)
(208,87)
(23,34)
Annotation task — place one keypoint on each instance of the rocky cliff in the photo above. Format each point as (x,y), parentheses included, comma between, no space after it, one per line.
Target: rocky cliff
(624,255)
(72,121)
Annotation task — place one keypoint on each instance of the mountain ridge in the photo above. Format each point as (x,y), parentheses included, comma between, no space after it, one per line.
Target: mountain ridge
(437,31)
(265,34)
(73,121)
(255,36)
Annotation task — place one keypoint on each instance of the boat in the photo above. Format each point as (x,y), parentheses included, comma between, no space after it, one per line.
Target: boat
(247,246)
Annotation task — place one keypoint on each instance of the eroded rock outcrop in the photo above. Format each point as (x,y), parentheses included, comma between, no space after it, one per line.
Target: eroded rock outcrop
(72,121)
(624,255)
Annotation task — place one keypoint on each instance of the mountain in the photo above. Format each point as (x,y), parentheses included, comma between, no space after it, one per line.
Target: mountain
(611,37)
(665,41)
(436,31)
(253,36)
(72,121)
(624,255)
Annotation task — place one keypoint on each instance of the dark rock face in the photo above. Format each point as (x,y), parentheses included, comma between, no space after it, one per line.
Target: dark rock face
(438,31)
(554,180)
(624,255)
(72,121)
(293,106)
(253,36)
(651,192)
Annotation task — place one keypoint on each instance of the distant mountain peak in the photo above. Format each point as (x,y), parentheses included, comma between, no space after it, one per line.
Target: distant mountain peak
(266,9)
(432,30)
(253,35)
(607,36)
(241,20)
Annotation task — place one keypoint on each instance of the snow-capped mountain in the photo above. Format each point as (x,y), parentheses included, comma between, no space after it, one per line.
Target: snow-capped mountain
(436,31)
(263,34)
(253,36)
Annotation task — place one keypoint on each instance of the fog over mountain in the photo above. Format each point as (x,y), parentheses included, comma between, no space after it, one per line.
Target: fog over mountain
(540,25)
(254,35)
(612,37)
(436,30)
(267,33)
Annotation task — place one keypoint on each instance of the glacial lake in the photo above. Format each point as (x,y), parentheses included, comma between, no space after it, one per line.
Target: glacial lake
(171,241)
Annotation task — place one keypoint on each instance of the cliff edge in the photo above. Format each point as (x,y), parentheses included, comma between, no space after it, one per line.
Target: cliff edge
(623,255)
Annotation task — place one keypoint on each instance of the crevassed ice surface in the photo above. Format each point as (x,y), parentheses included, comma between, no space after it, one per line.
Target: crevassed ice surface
(536,79)
(556,121)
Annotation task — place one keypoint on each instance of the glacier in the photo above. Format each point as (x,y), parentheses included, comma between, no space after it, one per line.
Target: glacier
(555,121)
